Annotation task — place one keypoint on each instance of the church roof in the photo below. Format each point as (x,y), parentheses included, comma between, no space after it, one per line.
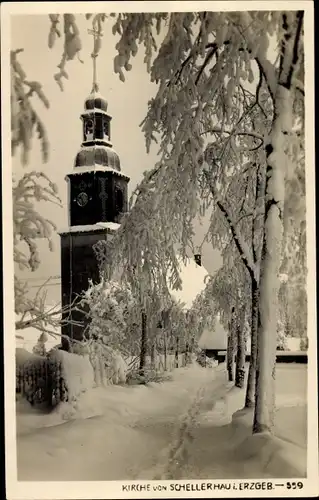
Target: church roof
(95,101)
(98,155)
(98,226)
(96,168)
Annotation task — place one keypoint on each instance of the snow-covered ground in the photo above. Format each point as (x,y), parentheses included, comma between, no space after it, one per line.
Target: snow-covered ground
(180,428)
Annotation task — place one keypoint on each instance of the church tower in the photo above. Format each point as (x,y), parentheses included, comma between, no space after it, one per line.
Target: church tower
(97,196)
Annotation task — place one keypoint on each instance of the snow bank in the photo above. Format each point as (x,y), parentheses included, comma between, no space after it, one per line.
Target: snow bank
(119,403)
(280,455)
(118,370)
(228,429)
(76,371)
(25,358)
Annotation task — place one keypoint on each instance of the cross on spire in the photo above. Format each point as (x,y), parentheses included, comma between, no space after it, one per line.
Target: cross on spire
(97,35)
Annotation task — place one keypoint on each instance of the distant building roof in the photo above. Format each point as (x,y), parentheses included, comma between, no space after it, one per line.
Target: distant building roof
(215,338)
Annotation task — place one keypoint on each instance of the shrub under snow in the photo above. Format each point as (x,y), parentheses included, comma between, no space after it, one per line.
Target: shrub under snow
(108,364)
(76,371)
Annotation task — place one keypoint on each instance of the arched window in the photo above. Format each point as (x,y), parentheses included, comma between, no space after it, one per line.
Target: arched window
(106,129)
(88,129)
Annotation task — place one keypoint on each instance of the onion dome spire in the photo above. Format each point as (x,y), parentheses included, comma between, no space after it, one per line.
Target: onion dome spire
(96,149)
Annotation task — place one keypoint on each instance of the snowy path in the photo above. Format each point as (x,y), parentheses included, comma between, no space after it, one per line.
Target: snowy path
(174,458)
(174,430)
(150,444)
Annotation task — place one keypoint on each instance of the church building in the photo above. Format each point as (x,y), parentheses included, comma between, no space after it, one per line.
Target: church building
(97,196)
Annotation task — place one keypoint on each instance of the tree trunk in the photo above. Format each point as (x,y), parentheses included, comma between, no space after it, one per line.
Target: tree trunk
(166,329)
(186,355)
(241,352)
(153,356)
(165,352)
(270,262)
(191,351)
(251,381)
(231,349)
(143,345)
(230,357)
(177,353)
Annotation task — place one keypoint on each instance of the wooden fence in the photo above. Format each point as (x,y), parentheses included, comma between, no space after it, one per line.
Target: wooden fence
(41,382)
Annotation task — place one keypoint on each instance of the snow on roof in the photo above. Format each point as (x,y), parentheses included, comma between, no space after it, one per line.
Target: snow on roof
(215,338)
(193,282)
(99,226)
(293,343)
(94,110)
(95,168)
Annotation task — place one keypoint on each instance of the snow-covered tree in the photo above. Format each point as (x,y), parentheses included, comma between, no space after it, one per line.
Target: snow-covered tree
(201,67)
(294,265)
(204,59)
(29,191)
(25,121)
(113,316)
(175,330)
(29,228)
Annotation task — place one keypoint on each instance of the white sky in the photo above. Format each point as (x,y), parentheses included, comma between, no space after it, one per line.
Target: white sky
(127,105)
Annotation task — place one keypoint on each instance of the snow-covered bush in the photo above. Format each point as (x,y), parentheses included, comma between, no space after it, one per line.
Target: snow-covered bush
(149,376)
(109,366)
(204,361)
(76,372)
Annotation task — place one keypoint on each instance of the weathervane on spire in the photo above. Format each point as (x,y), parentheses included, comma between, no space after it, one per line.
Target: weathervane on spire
(97,35)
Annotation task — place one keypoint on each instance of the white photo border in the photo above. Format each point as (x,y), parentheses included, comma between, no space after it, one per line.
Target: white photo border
(113,489)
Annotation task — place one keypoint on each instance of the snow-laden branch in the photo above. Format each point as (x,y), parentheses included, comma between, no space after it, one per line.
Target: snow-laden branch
(216,130)
(24,118)
(241,245)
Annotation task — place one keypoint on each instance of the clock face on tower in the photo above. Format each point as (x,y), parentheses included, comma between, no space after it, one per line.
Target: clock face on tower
(82,199)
